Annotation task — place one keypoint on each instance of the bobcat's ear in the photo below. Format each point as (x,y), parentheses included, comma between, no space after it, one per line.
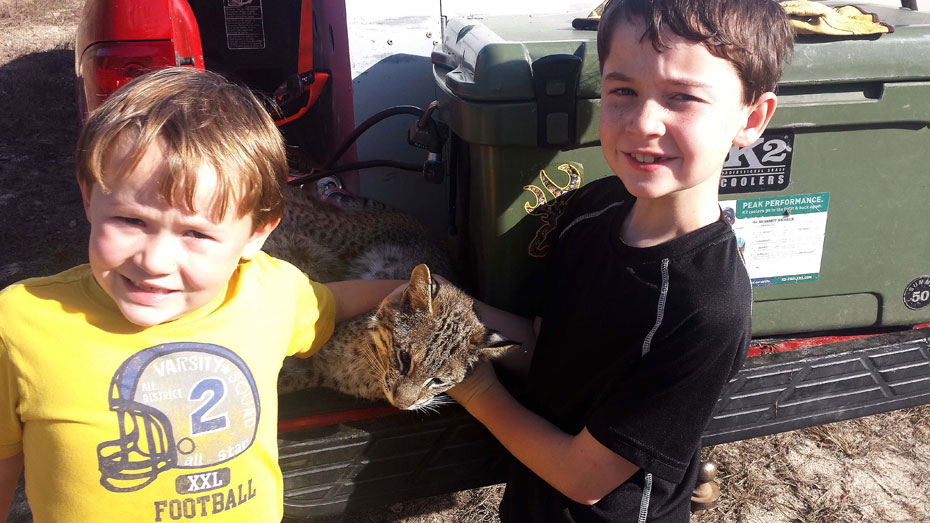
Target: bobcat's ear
(495,345)
(419,294)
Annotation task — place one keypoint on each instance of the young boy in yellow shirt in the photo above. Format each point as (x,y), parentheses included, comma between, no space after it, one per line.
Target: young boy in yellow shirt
(647,313)
(142,386)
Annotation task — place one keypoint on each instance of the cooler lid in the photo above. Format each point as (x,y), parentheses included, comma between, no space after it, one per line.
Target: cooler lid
(493,59)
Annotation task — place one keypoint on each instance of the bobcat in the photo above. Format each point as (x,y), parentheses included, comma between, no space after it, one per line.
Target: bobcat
(406,352)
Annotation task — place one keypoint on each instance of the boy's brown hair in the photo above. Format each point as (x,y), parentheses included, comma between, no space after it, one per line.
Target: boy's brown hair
(200,119)
(754,35)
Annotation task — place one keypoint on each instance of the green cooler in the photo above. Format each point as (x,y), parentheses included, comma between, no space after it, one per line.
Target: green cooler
(831,206)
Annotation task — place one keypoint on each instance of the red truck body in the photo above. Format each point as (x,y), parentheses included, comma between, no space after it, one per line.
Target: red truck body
(271,49)
(121,40)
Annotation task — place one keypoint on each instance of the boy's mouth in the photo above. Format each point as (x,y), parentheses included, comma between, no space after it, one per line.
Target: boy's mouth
(139,286)
(646,158)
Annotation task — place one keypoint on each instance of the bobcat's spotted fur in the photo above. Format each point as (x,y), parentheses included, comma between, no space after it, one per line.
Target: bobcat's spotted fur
(406,352)
(348,238)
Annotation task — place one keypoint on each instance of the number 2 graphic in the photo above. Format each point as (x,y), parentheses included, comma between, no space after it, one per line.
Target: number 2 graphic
(217,390)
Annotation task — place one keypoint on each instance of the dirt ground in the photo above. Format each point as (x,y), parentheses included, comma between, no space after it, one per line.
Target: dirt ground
(869,469)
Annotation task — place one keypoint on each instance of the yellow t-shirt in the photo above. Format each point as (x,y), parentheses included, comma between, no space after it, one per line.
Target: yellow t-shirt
(177,421)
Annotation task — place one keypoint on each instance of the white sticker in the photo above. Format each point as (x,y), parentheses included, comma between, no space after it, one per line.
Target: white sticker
(781,238)
(245,28)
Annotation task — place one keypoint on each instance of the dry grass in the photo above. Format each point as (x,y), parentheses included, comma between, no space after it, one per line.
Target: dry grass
(867,469)
(871,469)
(36,25)
(35,12)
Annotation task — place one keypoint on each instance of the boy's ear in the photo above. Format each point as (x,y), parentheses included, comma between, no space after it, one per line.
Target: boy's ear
(758,118)
(85,196)
(257,240)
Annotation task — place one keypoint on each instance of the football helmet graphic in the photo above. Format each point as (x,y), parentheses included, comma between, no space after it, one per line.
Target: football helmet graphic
(178,405)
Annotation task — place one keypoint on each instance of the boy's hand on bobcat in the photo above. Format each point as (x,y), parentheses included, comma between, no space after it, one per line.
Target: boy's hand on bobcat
(395,295)
(481,379)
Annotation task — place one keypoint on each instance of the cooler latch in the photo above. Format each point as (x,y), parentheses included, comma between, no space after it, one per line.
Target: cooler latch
(555,79)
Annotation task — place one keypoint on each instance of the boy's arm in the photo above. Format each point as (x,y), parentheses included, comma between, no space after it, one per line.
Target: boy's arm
(9,475)
(354,297)
(578,466)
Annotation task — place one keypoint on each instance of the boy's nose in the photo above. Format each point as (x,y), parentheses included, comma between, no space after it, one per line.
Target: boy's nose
(646,119)
(159,255)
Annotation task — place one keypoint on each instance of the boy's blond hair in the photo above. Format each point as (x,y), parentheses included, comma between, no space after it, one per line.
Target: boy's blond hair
(200,119)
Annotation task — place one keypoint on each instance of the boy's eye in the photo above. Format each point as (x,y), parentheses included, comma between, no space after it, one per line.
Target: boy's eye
(623,91)
(685,97)
(198,235)
(131,221)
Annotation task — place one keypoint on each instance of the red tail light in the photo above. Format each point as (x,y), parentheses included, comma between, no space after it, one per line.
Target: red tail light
(108,66)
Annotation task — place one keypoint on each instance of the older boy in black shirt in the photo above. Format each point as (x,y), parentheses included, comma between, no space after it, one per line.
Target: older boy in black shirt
(648,312)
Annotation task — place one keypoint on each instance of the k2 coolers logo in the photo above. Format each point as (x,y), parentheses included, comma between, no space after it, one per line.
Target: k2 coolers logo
(188,407)
(763,166)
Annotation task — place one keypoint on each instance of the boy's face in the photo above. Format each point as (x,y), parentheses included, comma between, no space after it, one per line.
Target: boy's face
(668,119)
(159,262)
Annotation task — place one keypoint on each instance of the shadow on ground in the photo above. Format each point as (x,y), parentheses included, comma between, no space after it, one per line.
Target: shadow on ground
(43,226)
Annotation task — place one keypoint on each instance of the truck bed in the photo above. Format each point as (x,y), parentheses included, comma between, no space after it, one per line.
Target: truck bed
(355,455)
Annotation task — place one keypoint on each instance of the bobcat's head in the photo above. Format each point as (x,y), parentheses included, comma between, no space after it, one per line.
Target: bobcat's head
(429,341)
